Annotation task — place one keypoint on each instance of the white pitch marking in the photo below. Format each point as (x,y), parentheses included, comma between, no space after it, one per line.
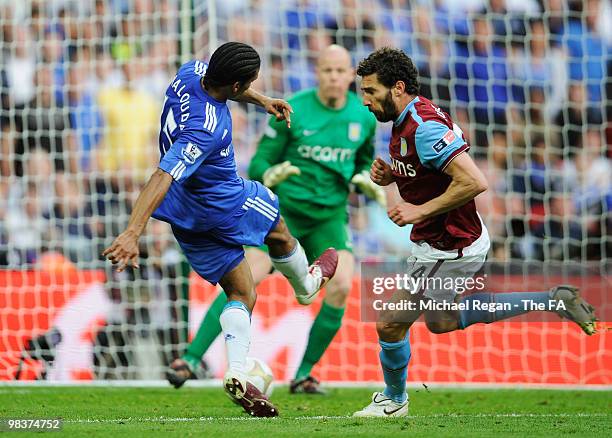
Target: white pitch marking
(322,417)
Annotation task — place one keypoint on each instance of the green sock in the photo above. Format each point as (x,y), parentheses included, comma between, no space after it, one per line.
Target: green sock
(210,328)
(323,330)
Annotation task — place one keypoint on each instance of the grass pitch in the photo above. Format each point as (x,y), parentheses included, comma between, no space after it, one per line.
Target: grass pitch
(207,412)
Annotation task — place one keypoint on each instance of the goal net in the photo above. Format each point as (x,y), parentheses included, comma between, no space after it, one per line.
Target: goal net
(82,85)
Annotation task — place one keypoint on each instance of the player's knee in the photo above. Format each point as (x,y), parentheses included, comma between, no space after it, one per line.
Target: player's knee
(439,327)
(279,235)
(337,291)
(281,228)
(248,297)
(391,331)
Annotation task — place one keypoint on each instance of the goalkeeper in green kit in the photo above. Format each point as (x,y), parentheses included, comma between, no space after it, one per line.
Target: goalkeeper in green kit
(310,166)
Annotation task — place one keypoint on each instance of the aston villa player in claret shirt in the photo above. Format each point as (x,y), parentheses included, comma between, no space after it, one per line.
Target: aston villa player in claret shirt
(438,181)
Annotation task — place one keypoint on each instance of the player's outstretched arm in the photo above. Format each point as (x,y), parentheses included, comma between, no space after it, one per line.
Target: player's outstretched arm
(468,181)
(279,108)
(124,249)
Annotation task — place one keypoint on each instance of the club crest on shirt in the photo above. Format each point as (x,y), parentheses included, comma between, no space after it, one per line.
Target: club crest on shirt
(448,138)
(191,153)
(403,147)
(354,131)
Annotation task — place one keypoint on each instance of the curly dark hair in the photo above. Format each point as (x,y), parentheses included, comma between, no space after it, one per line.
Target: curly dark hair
(391,65)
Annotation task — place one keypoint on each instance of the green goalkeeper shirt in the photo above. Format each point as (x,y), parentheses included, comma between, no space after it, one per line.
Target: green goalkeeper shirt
(328,145)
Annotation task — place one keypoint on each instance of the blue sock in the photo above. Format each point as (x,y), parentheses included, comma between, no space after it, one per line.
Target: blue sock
(517,307)
(394,358)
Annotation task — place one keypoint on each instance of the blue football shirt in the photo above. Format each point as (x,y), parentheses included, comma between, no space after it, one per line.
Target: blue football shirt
(195,143)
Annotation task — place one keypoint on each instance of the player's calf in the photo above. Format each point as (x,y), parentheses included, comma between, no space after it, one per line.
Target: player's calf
(440,327)
(247,297)
(280,241)
(390,331)
(392,325)
(239,286)
(439,322)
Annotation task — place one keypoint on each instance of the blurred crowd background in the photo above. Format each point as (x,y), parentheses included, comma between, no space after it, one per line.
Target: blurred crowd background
(82,85)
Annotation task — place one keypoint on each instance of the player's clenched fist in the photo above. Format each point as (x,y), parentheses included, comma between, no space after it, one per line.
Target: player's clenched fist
(279,173)
(405,213)
(381,172)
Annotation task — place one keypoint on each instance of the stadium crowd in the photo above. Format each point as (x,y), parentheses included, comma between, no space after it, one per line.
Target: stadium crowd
(81,85)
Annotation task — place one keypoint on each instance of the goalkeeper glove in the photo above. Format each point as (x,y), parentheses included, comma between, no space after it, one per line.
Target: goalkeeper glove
(279,173)
(369,188)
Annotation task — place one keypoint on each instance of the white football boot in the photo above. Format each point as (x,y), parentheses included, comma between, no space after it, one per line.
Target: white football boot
(383,406)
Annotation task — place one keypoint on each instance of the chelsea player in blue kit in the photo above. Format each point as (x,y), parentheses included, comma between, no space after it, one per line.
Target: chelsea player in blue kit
(213,211)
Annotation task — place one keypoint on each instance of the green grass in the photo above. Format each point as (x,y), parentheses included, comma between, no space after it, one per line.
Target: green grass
(206,412)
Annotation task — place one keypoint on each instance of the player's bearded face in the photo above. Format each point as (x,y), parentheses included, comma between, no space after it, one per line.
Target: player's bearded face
(387,111)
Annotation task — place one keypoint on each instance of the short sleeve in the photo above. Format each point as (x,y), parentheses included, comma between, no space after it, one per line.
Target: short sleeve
(186,154)
(437,144)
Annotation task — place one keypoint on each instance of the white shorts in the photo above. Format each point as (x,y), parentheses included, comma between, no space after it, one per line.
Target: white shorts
(451,269)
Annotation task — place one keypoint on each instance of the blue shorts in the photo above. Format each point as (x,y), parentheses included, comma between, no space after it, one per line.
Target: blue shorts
(219,250)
